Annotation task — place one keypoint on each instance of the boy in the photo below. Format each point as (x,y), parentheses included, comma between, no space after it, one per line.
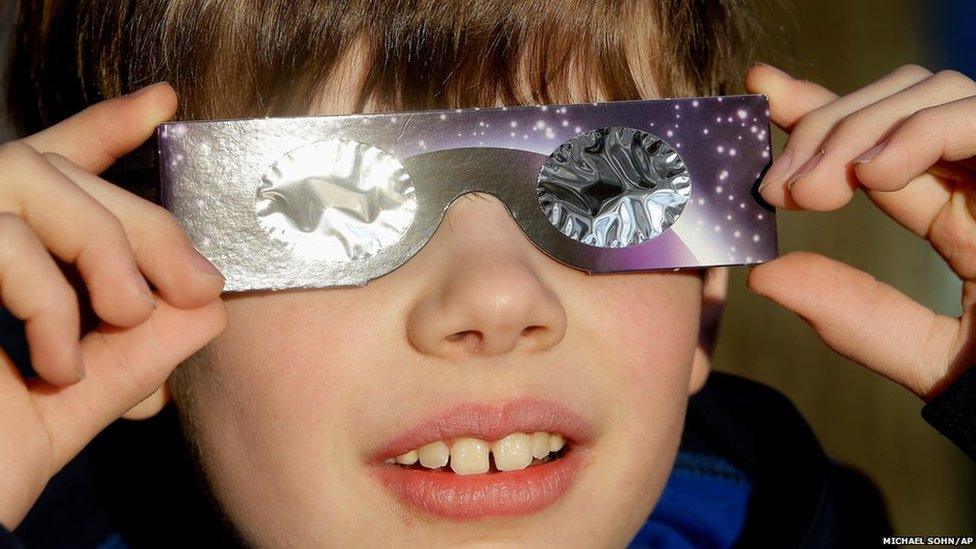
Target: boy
(479,329)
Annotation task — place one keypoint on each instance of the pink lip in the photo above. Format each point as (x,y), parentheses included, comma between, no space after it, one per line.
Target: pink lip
(490,423)
(476,496)
(522,492)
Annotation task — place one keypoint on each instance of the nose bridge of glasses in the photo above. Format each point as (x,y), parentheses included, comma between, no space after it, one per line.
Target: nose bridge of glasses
(510,175)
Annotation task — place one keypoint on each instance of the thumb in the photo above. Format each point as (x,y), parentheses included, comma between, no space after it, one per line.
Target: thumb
(123,367)
(864,319)
(97,136)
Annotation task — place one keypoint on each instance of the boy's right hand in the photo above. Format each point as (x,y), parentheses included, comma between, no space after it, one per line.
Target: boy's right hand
(54,206)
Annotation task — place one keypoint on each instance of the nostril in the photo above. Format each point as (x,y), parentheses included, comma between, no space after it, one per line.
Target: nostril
(466,334)
(468,341)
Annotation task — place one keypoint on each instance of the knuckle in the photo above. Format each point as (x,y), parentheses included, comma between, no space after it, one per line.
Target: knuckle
(912,70)
(14,237)
(806,130)
(17,156)
(954,235)
(62,299)
(848,126)
(59,299)
(55,158)
(954,79)
(11,223)
(922,119)
(108,226)
(15,233)
(162,220)
(15,149)
(157,228)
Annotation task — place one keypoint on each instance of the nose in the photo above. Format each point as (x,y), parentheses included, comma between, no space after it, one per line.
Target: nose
(486,293)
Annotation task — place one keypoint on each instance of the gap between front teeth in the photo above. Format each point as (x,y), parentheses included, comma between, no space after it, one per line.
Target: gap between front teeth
(469,456)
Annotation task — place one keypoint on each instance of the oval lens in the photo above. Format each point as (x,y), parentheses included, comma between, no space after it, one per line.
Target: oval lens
(336,200)
(613,187)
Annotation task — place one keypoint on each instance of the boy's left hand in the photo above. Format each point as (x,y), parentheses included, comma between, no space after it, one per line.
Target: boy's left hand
(908,140)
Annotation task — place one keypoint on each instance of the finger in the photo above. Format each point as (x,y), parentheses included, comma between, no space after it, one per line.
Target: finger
(76,229)
(932,140)
(790,100)
(861,318)
(917,205)
(124,366)
(100,134)
(161,248)
(33,289)
(806,137)
(942,132)
(830,183)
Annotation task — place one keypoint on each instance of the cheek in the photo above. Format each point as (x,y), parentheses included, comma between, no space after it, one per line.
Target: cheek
(286,366)
(649,323)
(647,326)
(279,376)
(287,349)
(638,332)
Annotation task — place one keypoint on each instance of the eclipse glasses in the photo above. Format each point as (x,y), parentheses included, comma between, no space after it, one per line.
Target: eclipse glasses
(326,201)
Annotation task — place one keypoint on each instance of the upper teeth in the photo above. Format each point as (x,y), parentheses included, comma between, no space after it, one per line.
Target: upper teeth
(469,456)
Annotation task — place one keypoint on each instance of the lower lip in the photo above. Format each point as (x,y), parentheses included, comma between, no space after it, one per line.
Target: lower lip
(500,494)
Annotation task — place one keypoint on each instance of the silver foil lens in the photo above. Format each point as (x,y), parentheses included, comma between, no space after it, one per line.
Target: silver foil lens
(613,187)
(336,200)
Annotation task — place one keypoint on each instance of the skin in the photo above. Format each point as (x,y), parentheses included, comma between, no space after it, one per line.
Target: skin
(52,206)
(456,325)
(907,141)
(284,427)
(311,466)
(306,419)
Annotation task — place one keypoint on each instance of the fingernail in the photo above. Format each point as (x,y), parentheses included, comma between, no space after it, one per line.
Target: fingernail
(871,153)
(806,168)
(145,89)
(777,172)
(79,362)
(203,266)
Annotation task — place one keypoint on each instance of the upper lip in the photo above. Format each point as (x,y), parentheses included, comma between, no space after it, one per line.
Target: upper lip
(490,422)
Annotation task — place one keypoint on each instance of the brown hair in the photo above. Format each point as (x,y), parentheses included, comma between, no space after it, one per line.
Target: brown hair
(243,58)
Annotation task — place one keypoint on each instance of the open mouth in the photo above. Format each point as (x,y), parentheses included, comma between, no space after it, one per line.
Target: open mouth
(473,456)
(478,461)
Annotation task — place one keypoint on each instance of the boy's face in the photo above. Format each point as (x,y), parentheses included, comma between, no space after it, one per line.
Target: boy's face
(306,394)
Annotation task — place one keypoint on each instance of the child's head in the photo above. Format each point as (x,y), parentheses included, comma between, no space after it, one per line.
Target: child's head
(297,405)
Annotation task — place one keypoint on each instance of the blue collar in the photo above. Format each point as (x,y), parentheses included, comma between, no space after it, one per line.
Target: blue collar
(703,505)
